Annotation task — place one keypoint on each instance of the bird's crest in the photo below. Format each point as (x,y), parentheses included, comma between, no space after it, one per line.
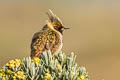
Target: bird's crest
(53,18)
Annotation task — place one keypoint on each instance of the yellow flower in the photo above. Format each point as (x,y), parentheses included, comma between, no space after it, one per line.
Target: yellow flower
(18,62)
(9,71)
(3,78)
(19,75)
(37,61)
(2,73)
(82,77)
(72,74)
(13,63)
(59,67)
(14,77)
(48,76)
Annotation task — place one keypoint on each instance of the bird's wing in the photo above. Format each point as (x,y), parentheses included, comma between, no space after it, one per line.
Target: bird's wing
(51,39)
(43,40)
(38,44)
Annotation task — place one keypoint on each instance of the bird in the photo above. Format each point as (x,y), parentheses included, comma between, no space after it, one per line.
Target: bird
(50,37)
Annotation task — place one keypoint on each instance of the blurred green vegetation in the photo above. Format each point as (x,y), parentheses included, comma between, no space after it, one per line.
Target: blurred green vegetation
(47,67)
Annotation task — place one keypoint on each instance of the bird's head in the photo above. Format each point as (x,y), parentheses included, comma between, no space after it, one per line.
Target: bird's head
(55,23)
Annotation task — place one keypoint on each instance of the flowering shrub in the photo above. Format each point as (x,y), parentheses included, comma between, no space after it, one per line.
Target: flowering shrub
(48,67)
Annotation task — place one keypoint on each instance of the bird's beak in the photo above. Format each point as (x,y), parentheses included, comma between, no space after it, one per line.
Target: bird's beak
(66,28)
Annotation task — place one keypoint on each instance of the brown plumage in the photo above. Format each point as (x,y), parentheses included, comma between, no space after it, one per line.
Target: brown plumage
(49,38)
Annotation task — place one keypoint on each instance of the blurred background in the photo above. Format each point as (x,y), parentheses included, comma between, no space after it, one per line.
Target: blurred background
(94,35)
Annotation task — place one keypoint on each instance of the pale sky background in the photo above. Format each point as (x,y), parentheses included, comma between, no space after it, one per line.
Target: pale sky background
(94,35)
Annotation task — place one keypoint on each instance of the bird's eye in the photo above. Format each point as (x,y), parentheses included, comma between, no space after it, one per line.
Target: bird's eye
(57,28)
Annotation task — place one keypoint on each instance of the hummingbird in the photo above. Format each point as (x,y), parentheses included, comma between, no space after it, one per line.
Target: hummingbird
(50,37)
